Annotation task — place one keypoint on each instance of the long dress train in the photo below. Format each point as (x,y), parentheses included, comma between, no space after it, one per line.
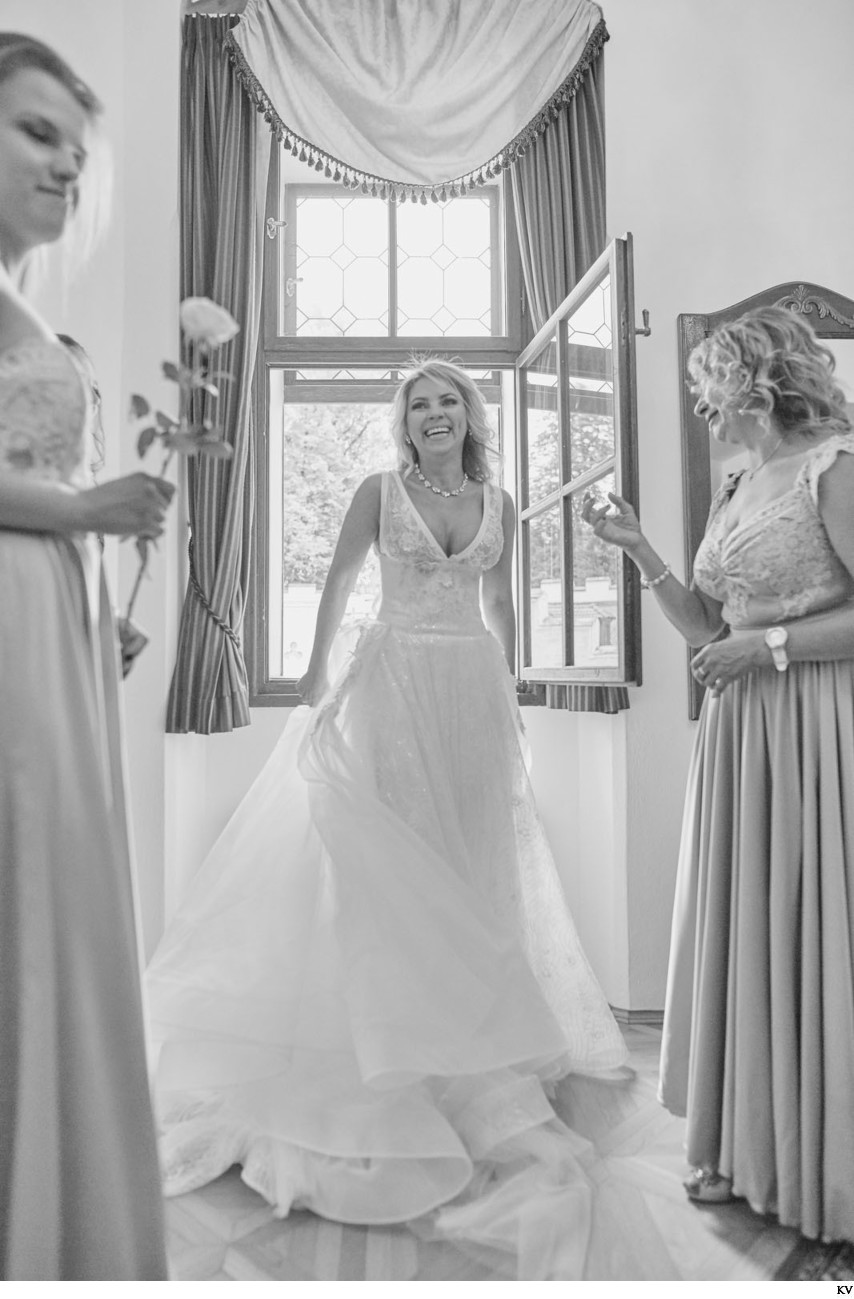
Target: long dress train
(375,973)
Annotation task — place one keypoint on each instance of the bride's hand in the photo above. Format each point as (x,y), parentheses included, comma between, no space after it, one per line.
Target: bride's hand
(312,687)
(619,527)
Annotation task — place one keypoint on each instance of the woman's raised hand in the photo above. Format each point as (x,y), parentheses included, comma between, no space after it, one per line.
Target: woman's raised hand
(132,506)
(618,526)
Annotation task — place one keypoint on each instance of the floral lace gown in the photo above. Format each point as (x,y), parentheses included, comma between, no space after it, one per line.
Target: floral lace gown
(759,1027)
(79,1182)
(375,972)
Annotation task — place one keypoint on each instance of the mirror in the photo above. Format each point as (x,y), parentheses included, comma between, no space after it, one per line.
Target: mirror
(706,463)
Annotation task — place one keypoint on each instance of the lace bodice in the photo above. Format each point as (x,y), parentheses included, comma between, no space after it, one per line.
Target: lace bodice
(423,588)
(779,563)
(46,413)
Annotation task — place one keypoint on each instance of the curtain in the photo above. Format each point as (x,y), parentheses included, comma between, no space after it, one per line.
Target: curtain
(413,98)
(559,197)
(224,160)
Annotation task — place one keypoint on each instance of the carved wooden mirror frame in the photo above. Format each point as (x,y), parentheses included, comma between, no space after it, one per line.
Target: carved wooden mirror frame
(831,316)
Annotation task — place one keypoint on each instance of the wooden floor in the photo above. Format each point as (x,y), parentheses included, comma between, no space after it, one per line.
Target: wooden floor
(226,1232)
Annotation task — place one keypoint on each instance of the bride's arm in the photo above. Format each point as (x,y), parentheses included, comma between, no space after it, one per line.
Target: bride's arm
(497,590)
(358,533)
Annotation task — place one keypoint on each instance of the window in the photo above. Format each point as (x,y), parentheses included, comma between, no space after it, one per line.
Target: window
(579,600)
(353,286)
(357,266)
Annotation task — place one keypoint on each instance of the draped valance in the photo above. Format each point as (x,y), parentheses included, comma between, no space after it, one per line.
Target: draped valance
(413,98)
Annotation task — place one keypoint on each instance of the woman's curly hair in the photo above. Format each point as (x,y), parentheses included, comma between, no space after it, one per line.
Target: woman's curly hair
(477,448)
(770,360)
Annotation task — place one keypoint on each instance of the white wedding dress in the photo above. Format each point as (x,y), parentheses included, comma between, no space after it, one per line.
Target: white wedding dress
(375,971)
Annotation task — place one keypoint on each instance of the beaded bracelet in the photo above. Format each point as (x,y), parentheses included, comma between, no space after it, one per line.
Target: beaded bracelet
(656,581)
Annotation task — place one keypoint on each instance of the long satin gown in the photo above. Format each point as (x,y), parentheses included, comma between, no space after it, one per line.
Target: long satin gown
(79,1181)
(758,1043)
(375,974)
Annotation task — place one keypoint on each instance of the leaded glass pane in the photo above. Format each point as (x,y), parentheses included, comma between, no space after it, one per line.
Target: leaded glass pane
(589,350)
(336,374)
(444,268)
(341,256)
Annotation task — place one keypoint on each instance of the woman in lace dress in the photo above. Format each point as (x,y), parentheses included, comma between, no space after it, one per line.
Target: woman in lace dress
(759,1025)
(79,1185)
(375,974)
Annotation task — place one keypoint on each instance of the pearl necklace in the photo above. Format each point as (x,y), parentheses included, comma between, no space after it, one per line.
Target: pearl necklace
(751,473)
(438,490)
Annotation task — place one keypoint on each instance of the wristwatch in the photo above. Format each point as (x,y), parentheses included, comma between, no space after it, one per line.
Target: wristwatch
(775,639)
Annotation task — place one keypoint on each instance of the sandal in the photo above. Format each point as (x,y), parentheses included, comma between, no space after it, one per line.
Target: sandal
(705,1186)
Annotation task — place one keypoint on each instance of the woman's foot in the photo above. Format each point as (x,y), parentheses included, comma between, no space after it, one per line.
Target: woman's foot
(705,1186)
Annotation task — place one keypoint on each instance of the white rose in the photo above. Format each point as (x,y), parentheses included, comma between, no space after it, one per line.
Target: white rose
(206,322)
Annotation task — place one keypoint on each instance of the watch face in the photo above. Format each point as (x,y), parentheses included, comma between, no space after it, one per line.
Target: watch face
(775,637)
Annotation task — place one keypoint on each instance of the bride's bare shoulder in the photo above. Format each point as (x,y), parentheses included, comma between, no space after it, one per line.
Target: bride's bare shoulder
(369,491)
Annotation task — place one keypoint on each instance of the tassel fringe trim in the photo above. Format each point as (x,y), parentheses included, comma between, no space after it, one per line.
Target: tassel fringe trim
(398,191)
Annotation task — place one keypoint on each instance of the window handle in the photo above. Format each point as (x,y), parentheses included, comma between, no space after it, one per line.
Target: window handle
(291,285)
(272,226)
(646,330)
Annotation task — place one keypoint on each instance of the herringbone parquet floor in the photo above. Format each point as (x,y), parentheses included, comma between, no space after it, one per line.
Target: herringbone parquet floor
(226,1232)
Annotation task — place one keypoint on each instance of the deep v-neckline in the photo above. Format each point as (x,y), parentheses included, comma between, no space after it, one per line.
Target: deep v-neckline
(728,533)
(428,531)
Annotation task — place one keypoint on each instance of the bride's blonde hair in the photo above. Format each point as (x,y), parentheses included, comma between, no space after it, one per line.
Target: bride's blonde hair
(477,448)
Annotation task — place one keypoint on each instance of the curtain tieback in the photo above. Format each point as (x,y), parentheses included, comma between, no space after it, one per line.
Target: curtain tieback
(205,603)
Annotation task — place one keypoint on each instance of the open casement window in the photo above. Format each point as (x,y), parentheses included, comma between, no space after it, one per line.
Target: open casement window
(354,286)
(576,429)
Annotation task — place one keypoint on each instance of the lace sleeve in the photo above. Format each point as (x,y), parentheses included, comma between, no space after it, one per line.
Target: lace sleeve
(821,460)
(43,411)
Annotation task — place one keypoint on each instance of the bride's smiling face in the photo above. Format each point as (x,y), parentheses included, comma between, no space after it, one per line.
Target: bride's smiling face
(435,417)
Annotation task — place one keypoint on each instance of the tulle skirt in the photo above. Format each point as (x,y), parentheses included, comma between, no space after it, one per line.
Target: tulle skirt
(375,975)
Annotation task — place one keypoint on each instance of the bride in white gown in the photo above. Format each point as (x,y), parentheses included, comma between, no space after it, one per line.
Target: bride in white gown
(375,974)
